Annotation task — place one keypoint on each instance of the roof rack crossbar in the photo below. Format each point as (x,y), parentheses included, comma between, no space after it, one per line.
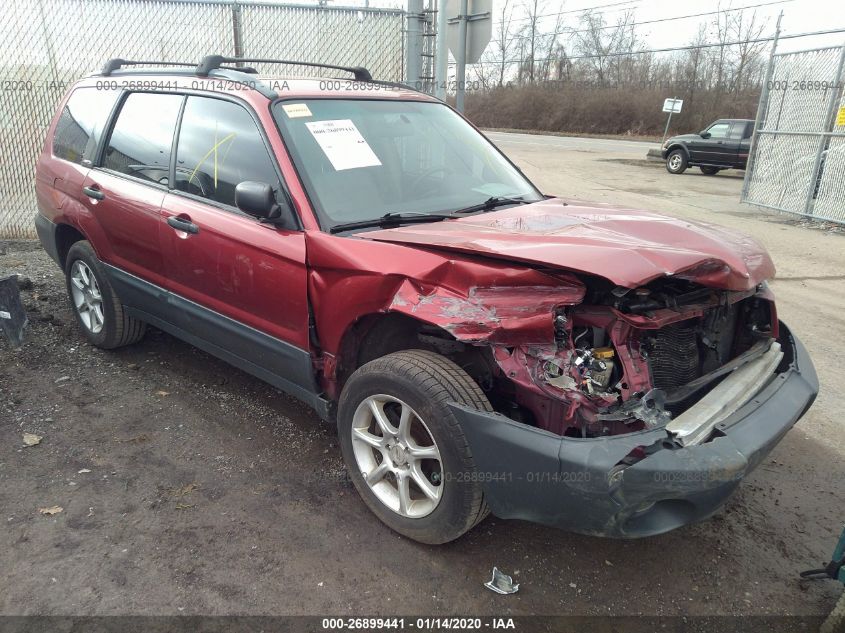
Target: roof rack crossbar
(212,62)
(116,64)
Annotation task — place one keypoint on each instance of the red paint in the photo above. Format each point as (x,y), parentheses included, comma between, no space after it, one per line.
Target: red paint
(493,280)
(627,246)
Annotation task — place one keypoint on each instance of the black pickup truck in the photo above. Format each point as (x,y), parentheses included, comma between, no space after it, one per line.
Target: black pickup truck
(722,145)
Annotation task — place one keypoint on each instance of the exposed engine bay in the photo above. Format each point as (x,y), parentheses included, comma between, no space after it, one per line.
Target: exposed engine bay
(630,359)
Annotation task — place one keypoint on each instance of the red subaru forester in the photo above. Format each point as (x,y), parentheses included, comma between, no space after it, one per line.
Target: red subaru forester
(482,347)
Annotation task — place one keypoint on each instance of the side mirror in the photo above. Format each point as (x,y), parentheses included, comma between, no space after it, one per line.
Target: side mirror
(704,134)
(258,199)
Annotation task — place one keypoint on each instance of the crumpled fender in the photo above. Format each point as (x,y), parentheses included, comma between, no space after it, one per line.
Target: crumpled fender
(513,315)
(477,300)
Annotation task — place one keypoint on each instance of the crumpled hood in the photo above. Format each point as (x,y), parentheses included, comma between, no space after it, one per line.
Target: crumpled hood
(627,246)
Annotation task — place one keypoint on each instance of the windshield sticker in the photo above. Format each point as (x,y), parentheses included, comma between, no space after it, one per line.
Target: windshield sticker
(343,144)
(296,110)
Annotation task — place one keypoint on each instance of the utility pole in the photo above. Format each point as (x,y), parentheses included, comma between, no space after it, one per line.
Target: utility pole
(441,53)
(461,57)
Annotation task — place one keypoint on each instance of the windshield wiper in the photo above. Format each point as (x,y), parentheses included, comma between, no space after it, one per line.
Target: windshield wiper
(389,219)
(491,203)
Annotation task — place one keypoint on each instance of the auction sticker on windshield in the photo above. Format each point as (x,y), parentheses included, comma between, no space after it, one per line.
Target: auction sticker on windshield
(343,144)
(296,110)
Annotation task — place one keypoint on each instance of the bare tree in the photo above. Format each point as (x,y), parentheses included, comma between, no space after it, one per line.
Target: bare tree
(604,47)
(503,39)
(531,35)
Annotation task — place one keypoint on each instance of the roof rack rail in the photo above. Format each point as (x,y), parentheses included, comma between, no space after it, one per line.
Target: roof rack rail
(212,62)
(116,64)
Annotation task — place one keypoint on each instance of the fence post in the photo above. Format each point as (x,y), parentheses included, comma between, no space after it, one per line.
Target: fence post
(835,91)
(237,30)
(762,106)
(414,37)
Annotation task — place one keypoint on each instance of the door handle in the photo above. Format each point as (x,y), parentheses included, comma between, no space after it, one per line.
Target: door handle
(183,224)
(94,192)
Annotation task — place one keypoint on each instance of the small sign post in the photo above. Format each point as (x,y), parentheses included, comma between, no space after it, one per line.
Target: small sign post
(672,106)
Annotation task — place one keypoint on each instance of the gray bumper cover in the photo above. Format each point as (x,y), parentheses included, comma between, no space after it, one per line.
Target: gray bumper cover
(575,484)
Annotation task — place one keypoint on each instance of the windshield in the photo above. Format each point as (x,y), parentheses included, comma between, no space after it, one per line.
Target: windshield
(362,159)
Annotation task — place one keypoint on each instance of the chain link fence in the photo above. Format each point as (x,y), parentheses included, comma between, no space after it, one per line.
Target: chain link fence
(45,45)
(798,153)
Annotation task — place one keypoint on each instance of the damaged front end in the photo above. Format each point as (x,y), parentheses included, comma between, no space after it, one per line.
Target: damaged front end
(625,360)
(644,413)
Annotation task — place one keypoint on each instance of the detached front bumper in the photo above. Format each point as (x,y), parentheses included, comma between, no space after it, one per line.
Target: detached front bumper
(579,484)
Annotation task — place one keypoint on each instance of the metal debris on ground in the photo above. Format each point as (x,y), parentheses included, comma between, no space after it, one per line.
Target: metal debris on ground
(31,439)
(501,583)
(51,510)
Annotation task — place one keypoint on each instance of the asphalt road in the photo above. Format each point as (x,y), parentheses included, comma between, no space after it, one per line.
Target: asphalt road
(509,140)
(210,493)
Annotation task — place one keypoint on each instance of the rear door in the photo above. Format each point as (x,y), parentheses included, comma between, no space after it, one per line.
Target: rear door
(124,191)
(76,136)
(238,284)
(745,144)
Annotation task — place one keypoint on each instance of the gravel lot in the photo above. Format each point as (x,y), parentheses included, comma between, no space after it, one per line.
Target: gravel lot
(188,487)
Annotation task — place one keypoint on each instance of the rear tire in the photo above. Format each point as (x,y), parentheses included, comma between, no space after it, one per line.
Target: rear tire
(416,386)
(676,162)
(99,313)
(709,171)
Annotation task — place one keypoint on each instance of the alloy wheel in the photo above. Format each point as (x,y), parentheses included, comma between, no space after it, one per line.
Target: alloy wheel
(87,299)
(397,456)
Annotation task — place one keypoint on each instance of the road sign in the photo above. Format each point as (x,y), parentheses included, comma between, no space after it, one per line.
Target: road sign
(673,105)
(840,117)
(479,27)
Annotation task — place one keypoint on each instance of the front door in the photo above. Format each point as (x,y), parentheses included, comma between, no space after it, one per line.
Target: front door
(715,149)
(238,284)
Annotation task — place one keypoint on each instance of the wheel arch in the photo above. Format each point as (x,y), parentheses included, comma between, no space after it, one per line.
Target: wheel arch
(378,334)
(66,236)
(679,146)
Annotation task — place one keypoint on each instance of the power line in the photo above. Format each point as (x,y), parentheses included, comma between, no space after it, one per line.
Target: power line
(632,24)
(677,48)
(601,6)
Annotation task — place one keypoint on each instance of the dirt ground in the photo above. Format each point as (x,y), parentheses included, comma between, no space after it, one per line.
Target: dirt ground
(188,487)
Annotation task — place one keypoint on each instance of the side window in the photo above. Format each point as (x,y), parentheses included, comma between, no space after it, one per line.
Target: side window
(141,139)
(220,146)
(81,123)
(737,130)
(719,130)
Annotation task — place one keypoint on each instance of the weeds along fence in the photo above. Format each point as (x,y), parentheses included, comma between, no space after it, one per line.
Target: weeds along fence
(45,45)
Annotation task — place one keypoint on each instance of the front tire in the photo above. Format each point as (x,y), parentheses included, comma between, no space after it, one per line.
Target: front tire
(709,171)
(676,162)
(99,313)
(404,449)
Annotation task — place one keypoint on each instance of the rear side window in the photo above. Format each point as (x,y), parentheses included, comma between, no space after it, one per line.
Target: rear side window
(737,130)
(220,146)
(81,123)
(142,136)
